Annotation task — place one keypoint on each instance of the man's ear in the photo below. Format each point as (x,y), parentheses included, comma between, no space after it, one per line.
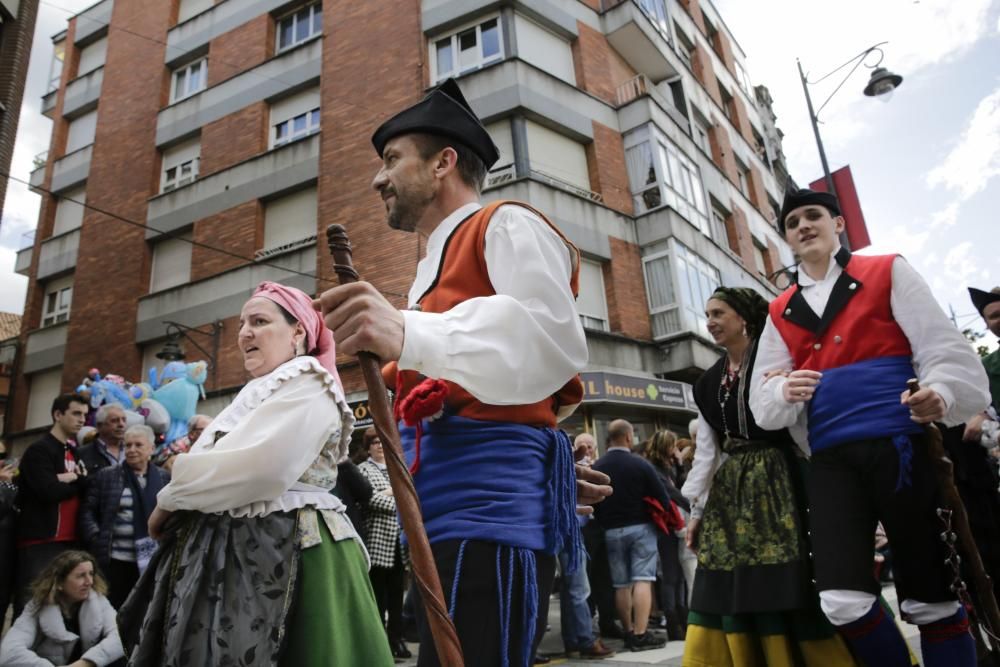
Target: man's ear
(839,224)
(447,161)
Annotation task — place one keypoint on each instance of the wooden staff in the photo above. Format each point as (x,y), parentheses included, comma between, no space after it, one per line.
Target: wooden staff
(407,503)
(986,603)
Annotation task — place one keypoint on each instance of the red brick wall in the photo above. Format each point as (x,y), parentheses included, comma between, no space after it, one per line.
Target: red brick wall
(593,4)
(694,10)
(238,230)
(625,288)
(234,138)
(722,152)
(599,69)
(230,360)
(772,259)
(240,49)
(102,324)
(740,240)
(606,164)
(361,88)
(724,49)
(742,119)
(701,63)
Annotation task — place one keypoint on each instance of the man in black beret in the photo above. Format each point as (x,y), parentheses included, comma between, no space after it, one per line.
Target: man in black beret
(988,305)
(493,334)
(849,334)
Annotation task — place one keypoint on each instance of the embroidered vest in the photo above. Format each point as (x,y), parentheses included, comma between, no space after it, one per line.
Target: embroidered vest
(463,275)
(857,325)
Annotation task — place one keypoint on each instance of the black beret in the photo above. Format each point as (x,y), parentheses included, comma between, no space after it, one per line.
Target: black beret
(444,112)
(805,197)
(981,298)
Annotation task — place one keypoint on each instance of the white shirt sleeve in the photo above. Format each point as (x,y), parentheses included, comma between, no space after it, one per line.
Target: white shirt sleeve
(260,458)
(706,461)
(521,344)
(770,409)
(943,359)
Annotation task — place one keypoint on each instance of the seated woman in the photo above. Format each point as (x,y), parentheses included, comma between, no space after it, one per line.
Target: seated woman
(68,620)
(260,565)
(116,509)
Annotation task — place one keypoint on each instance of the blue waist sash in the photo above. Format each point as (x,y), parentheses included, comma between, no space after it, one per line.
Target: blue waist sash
(860,401)
(506,483)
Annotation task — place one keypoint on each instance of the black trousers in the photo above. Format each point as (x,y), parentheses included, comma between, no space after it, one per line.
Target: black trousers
(602,594)
(477,617)
(30,563)
(387,584)
(851,488)
(669,585)
(122,576)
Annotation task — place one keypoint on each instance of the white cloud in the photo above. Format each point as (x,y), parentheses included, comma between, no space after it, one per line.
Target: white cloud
(959,265)
(975,159)
(13,286)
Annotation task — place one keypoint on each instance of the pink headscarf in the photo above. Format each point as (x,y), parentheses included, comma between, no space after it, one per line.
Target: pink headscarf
(319,339)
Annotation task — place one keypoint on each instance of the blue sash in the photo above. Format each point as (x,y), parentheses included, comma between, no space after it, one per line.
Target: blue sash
(860,401)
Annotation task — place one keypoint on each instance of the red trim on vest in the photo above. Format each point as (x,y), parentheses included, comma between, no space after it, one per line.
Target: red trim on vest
(864,329)
(462,276)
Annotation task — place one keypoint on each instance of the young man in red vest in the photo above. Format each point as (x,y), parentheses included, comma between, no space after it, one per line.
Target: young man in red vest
(491,317)
(849,334)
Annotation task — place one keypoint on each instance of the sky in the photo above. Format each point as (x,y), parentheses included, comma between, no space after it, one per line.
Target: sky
(926,163)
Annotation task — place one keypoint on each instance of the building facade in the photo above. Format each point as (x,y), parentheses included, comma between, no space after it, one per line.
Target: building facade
(189,128)
(17,29)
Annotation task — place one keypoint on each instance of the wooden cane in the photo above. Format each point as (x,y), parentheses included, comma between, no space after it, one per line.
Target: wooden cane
(944,471)
(407,503)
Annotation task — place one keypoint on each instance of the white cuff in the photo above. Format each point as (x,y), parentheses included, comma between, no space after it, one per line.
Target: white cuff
(424,341)
(946,394)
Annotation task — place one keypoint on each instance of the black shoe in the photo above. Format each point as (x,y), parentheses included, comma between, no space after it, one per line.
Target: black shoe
(612,632)
(399,650)
(644,642)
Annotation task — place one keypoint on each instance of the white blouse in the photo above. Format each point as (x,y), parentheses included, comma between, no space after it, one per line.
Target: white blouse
(273,449)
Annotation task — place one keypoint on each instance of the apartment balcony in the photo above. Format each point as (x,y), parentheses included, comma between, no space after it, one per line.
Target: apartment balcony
(37,177)
(640,87)
(286,72)
(221,296)
(82,93)
(93,22)
(46,348)
(71,169)
(198,31)
(58,254)
(23,262)
(638,30)
(275,171)
(49,103)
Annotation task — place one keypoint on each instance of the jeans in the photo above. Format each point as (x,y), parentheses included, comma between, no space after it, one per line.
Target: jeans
(574,612)
(632,554)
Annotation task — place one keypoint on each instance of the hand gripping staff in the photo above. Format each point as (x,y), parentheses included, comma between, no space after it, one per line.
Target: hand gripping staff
(955,522)
(424,571)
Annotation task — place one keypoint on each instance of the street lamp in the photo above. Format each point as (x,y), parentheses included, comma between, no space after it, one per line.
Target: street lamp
(172,350)
(881,85)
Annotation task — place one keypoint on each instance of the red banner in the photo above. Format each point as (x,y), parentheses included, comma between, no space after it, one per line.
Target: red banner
(850,206)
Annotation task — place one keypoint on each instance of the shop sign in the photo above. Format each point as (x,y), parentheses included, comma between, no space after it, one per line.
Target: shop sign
(362,417)
(599,387)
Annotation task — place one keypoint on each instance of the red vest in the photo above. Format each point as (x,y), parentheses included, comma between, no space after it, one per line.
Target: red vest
(857,324)
(463,276)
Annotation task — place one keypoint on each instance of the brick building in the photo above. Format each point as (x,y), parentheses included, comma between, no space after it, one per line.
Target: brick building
(244,125)
(17,28)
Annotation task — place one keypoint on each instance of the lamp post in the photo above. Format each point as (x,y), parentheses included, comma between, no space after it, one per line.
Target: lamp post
(881,85)
(172,351)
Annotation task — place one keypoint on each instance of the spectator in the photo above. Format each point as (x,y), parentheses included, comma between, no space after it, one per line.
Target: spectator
(67,622)
(598,572)
(385,546)
(165,457)
(361,454)
(354,490)
(49,495)
(574,612)
(661,452)
(8,517)
(106,449)
(116,509)
(630,534)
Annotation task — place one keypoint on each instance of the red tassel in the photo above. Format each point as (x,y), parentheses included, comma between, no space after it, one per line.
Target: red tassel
(425,401)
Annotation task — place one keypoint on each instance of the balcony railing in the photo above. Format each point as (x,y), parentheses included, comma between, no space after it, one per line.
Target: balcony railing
(557,182)
(27,240)
(39,160)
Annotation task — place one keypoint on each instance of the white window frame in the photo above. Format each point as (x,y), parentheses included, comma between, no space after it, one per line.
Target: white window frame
(453,40)
(313,21)
(56,305)
(678,177)
(685,313)
(743,174)
(656,11)
(310,125)
(760,259)
(183,173)
(595,320)
(176,94)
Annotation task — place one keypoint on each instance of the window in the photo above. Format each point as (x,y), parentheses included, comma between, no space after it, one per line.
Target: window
(661,175)
(294,117)
(743,79)
(467,49)
(503,171)
(56,66)
(699,132)
(289,222)
(81,132)
(299,26)
(180,165)
(69,213)
(718,225)
(696,281)
(171,263)
(45,386)
(189,80)
(58,298)
(656,11)
(678,285)
(727,104)
(557,157)
(685,47)
(190,8)
(663,310)
(743,173)
(758,255)
(92,56)
(544,49)
(761,147)
(592,304)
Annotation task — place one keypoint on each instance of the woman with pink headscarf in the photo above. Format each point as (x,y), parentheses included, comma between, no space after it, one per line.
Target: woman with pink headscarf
(258,564)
